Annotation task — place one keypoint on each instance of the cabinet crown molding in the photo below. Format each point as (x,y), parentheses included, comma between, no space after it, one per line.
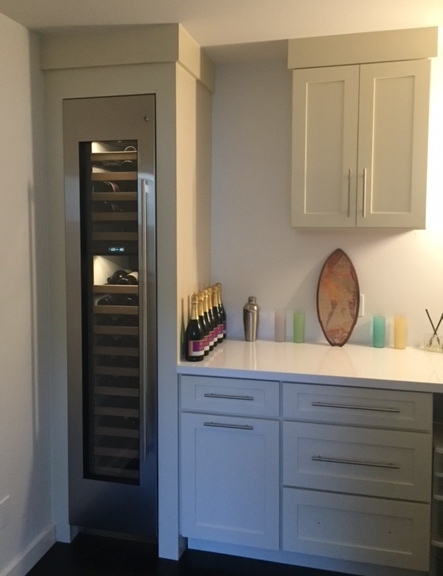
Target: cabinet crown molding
(361,48)
(126,45)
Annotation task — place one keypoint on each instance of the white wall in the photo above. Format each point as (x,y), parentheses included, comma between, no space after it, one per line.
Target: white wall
(25,516)
(256,252)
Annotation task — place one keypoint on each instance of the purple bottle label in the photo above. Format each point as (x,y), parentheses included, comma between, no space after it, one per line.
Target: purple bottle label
(196,348)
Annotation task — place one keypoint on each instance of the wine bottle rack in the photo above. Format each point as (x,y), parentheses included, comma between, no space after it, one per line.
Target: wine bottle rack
(437,503)
(116,385)
(114,373)
(114,198)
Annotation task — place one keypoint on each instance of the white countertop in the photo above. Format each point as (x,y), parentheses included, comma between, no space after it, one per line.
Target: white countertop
(349,365)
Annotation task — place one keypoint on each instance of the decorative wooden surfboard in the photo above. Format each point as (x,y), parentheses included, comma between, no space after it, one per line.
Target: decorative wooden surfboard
(338,298)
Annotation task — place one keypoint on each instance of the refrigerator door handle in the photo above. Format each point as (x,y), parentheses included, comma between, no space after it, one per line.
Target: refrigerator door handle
(142,300)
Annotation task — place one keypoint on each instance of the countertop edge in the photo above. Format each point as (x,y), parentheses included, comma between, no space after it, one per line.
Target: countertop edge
(411,369)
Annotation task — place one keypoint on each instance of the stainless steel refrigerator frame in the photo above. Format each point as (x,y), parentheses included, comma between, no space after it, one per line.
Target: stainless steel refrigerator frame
(95,504)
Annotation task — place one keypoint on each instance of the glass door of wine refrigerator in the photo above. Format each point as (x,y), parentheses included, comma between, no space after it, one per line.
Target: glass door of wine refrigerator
(109,146)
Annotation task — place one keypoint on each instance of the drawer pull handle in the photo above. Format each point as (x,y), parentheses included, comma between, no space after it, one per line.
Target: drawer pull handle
(228,396)
(354,407)
(356,462)
(225,425)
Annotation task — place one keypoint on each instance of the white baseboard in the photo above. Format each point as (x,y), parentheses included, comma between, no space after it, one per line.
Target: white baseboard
(32,554)
(65,533)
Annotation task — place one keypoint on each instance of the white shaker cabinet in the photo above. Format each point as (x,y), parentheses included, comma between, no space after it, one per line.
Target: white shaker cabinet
(229,461)
(360,137)
(357,485)
(307,473)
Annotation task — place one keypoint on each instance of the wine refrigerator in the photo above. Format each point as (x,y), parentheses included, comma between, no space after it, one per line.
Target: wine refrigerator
(109,169)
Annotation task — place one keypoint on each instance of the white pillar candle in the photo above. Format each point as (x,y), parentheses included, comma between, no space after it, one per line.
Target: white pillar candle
(280,325)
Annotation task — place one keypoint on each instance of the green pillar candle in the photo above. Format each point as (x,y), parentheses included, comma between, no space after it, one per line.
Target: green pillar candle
(299,326)
(378,331)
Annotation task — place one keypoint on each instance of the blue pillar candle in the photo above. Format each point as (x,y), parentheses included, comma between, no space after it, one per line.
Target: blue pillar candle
(378,331)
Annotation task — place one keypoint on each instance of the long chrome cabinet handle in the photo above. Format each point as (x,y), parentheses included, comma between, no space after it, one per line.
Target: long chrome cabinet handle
(356,462)
(349,192)
(142,285)
(353,407)
(225,425)
(364,192)
(228,396)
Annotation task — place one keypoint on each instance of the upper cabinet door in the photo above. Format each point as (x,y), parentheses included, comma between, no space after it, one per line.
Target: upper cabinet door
(360,145)
(324,163)
(392,144)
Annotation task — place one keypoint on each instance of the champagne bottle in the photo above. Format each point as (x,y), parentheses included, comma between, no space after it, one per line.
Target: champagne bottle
(210,316)
(210,334)
(203,322)
(221,308)
(194,335)
(216,314)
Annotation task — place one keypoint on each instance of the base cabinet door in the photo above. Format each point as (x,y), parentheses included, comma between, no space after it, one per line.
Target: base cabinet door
(230,479)
(360,529)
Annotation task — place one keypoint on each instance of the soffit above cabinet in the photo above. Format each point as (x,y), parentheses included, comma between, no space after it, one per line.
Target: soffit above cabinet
(383,46)
(151,44)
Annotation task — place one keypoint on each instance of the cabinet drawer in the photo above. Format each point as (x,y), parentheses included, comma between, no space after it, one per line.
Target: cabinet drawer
(359,529)
(229,396)
(386,463)
(358,406)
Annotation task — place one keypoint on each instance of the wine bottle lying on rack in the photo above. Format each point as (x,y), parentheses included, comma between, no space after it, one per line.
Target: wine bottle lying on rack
(115,277)
(110,300)
(104,206)
(129,300)
(130,278)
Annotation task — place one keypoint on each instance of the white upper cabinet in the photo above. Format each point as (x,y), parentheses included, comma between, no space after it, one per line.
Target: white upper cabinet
(360,145)
(324,148)
(360,133)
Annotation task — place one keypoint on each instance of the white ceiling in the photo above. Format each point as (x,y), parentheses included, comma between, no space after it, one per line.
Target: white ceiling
(214,23)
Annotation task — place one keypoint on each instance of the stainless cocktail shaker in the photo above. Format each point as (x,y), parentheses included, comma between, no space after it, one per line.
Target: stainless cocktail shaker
(250,319)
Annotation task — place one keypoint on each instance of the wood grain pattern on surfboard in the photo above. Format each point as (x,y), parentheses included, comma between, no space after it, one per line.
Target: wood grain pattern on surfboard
(338,298)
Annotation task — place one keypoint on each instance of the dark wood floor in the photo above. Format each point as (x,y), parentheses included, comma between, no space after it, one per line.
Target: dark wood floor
(98,556)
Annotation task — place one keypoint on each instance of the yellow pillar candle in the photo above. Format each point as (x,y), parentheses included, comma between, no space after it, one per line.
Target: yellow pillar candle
(400,332)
